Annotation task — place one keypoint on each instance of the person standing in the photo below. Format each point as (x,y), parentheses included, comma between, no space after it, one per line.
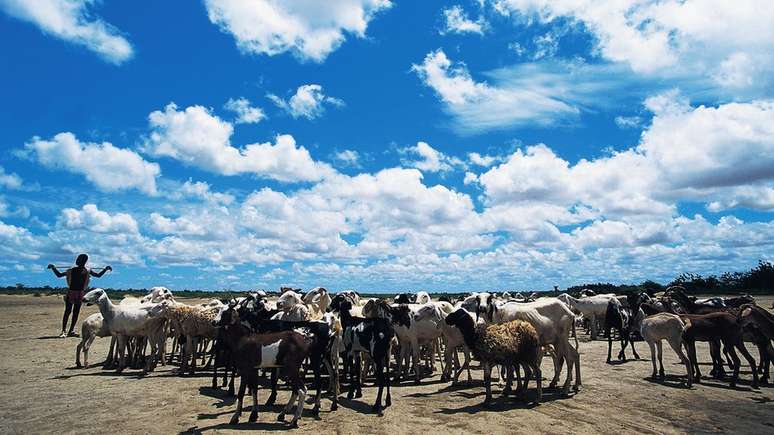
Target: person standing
(77,282)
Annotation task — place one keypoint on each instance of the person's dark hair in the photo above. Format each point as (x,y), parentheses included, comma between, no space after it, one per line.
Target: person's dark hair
(81,260)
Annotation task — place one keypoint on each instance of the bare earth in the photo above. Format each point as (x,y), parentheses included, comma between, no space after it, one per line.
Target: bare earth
(41,391)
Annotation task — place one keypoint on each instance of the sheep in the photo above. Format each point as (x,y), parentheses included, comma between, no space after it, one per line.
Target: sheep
(373,337)
(129,321)
(192,322)
(713,327)
(92,327)
(284,349)
(669,327)
(512,343)
(554,322)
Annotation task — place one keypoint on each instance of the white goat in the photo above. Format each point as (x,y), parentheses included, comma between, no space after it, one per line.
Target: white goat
(669,327)
(592,308)
(553,321)
(293,308)
(129,320)
(91,328)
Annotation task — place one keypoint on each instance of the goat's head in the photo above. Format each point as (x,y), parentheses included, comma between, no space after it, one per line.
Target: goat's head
(227,316)
(404,298)
(458,318)
(423,298)
(401,315)
(93,296)
(288,300)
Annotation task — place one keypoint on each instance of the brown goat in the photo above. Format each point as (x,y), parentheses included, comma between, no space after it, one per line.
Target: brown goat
(716,327)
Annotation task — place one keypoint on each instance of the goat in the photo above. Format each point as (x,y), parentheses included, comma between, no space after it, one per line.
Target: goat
(669,327)
(284,349)
(371,336)
(715,327)
(256,318)
(619,318)
(132,320)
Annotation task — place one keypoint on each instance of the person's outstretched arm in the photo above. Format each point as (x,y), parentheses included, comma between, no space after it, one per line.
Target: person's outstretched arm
(56,271)
(99,274)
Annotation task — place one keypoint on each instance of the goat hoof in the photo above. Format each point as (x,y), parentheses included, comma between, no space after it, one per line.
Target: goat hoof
(234,420)
(350,395)
(293,424)
(416,381)
(253,417)
(388,402)
(334,406)
(359,395)
(281,417)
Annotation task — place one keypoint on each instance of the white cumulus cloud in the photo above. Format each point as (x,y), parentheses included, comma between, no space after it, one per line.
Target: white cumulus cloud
(457,21)
(90,218)
(75,22)
(110,168)
(198,138)
(245,113)
(309,30)
(308,102)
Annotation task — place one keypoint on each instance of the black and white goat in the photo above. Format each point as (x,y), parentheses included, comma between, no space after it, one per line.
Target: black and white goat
(285,350)
(257,317)
(373,337)
(621,319)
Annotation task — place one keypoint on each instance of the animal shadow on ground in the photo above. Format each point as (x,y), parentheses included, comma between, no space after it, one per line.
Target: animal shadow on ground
(268,415)
(125,375)
(501,403)
(671,381)
(49,337)
(356,405)
(741,384)
(217,393)
(762,400)
(449,388)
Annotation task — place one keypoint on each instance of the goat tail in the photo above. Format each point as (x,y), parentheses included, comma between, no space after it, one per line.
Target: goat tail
(574,335)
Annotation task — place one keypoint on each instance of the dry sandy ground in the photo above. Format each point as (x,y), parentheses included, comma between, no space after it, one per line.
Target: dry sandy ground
(40,391)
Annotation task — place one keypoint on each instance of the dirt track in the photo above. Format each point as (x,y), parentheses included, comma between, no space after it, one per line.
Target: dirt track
(40,391)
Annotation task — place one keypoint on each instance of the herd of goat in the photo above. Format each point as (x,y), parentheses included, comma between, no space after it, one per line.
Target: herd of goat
(253,337)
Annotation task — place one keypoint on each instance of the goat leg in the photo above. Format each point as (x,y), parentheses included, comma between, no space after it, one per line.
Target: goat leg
(238,412)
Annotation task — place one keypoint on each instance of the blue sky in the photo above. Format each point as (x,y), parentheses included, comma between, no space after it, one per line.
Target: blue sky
(385,145)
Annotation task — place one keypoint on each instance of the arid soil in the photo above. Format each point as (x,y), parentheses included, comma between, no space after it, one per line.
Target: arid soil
(42,392)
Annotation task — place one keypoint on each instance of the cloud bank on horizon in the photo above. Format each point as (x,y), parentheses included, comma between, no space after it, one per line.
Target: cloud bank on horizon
(385,145)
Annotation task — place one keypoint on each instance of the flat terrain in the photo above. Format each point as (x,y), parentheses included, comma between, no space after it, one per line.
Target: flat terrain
(42,392)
